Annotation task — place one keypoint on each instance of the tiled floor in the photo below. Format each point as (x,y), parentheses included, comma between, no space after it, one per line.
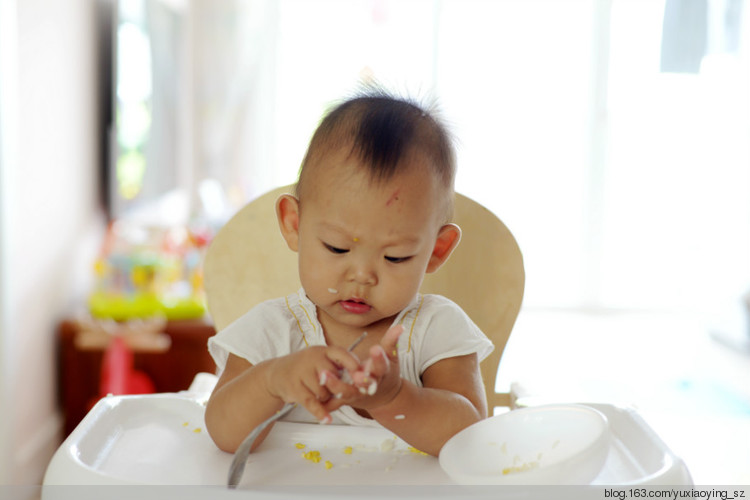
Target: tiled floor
(691,389)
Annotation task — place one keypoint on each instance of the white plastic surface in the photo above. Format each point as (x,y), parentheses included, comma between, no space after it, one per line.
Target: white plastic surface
(161,439)
(637,455)
(551,444)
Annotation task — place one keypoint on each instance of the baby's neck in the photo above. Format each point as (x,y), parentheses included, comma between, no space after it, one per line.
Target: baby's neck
(343,335)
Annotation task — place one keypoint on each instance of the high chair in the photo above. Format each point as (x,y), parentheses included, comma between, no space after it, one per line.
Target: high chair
(159,438)
(248,262)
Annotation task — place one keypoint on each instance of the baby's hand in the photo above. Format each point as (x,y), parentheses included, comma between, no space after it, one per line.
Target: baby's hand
(375,382)
(300,377)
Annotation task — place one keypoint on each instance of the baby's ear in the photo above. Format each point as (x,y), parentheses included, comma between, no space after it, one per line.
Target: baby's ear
(447,241)
(287,213)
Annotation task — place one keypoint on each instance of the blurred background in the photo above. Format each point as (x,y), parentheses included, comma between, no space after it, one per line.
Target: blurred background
(611,136)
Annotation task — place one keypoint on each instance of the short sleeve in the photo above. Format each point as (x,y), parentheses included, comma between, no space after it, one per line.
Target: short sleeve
(261,333)
(447,331)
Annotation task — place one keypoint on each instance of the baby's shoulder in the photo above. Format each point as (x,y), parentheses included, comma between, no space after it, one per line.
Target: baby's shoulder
(268,311)
(432,301)
(439,307)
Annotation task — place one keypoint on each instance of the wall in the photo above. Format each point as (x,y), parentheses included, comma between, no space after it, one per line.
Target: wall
(7,153)
(51,219)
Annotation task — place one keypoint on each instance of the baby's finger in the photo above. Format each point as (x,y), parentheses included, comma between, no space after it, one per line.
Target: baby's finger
(339,388)
(389,342)
(378,363)
(317,409)
(315,386)
(334,404)
(342,358)
(376,367)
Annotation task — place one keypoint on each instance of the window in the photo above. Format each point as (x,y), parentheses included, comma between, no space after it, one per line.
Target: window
(625,180)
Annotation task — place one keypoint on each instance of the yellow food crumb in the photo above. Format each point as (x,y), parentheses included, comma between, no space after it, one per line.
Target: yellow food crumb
(185,424)
(299,446)
(313,456)
(521,468)
(328,464)
(197,430)
(348,450)
(414,450)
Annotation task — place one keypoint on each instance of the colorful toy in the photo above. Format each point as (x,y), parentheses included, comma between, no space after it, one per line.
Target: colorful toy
(144,272)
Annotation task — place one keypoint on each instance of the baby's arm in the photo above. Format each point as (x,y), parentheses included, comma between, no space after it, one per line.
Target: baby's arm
(451,399)
(452,396)
(246,394)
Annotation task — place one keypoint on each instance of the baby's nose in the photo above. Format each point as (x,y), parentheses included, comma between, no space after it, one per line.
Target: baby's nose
(363,273)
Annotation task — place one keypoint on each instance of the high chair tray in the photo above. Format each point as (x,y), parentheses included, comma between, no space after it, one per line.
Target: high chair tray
(161,439)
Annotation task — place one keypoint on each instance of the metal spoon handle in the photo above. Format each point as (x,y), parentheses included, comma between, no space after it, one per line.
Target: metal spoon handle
(240,456)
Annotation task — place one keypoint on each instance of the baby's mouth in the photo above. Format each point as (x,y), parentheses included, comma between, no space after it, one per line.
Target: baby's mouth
(355,306)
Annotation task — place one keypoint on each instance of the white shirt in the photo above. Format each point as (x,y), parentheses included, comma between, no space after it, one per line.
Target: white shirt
(435,328)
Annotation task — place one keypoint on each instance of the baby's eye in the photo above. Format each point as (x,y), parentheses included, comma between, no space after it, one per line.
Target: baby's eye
(334,249)
(397,260)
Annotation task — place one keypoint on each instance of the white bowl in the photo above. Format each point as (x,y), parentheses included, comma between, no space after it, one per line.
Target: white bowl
(551,444)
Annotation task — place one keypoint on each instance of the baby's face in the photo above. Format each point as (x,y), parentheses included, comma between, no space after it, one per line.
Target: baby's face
(364,247)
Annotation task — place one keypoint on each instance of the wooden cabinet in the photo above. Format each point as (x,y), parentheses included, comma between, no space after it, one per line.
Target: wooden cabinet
(171,370)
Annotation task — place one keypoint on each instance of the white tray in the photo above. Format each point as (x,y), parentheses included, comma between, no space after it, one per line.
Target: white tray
(161,439)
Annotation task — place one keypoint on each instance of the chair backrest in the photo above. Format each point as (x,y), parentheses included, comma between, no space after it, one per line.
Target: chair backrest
(485,274)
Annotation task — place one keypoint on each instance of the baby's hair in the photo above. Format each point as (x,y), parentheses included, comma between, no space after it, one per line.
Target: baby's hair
(382,130)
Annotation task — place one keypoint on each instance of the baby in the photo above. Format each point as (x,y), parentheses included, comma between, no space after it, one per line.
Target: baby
(370,216)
